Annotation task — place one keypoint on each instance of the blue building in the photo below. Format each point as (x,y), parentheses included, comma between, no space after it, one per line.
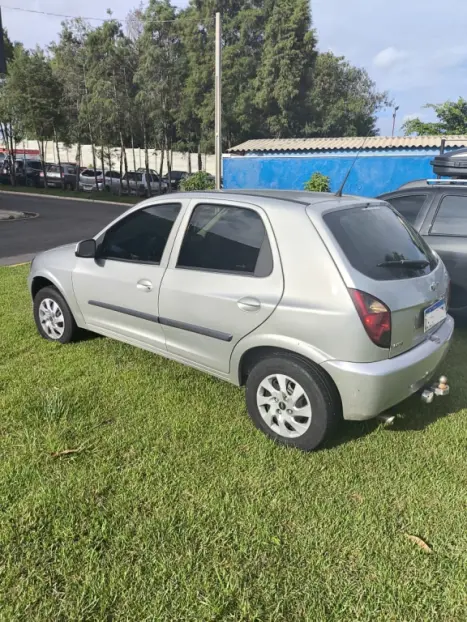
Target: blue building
(383,164)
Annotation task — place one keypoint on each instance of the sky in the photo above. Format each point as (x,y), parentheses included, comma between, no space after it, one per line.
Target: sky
(414,49)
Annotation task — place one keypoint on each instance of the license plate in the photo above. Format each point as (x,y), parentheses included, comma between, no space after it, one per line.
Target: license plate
(435,314)
(87,187)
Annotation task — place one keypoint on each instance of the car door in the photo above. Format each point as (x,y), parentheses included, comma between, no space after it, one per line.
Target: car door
(446,232)
(224,279)
(118,291)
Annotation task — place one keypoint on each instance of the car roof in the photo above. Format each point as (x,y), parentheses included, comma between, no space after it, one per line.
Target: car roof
(432,188)
(277,199)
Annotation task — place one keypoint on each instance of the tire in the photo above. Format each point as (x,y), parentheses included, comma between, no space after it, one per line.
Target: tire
(320,400)
(63,331)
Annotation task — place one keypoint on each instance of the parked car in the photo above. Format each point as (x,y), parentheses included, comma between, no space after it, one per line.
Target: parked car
(176,178)
(321,306)
(112,181)
(438,211)
(63,176)
(135,182)
(27,172)
(109,181)
(87,180)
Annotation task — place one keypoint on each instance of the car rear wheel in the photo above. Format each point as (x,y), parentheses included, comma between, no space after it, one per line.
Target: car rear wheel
(292,402)
(53,317)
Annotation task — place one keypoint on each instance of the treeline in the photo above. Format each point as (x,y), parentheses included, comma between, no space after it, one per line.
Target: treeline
(149,82)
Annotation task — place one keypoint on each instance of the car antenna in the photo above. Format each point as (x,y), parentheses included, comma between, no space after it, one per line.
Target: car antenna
(342,186)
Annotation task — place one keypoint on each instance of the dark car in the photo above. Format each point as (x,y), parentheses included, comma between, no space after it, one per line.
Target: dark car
(176,178)
(63,176)
(438,210)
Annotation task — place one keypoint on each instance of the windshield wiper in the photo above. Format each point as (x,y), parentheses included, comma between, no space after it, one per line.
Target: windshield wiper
(404,263)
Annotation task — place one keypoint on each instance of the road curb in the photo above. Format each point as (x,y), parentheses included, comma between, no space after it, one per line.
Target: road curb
(16,260)
(54,196)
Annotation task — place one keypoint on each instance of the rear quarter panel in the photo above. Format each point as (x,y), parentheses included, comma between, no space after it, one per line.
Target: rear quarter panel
(316,316)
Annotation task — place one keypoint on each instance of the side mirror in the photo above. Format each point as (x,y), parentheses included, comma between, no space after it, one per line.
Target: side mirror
(86,249)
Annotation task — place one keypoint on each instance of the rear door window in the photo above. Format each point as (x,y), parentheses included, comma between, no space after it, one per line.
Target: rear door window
(451,218)
(226,239)
(379,243)
(409,206)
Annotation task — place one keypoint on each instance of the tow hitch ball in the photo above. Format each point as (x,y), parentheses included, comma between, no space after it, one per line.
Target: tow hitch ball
(438,389)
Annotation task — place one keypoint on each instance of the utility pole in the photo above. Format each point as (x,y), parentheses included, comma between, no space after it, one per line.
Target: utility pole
(394,120)
(218,102)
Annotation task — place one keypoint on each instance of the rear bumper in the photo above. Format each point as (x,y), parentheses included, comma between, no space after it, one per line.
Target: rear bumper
(368,389)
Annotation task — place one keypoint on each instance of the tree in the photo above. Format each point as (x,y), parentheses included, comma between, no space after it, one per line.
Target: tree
(452,119)
(32,84)
(158,77)
(68,65)
(343,100)
(285,73)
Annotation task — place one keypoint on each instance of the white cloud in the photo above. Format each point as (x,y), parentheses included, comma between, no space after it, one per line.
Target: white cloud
(389,57)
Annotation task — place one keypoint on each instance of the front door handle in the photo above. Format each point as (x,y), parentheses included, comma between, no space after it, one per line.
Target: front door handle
(249,304)
(144,285)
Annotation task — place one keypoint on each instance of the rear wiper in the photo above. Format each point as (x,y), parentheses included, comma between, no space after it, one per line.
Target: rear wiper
(405,263)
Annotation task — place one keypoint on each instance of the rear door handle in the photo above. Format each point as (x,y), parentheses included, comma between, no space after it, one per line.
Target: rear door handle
(144,285)
(249,304)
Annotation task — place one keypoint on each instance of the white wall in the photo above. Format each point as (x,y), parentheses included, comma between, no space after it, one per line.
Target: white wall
(68,154)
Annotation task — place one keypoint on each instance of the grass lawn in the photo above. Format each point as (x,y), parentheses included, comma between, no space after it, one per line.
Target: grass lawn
(175,508)
(90,196)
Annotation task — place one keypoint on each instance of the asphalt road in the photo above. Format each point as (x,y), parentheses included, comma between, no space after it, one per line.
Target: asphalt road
(59,222)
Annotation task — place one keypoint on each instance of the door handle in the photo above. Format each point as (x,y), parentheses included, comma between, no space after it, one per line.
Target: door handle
(144,285)
(249,304)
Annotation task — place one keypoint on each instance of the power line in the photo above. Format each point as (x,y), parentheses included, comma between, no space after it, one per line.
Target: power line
(17,8)
(96,19)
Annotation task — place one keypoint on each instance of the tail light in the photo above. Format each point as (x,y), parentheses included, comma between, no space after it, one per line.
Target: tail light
(375,317)
(41,174)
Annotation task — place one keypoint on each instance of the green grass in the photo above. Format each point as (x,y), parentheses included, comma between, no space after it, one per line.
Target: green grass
(90,196)
(177,509)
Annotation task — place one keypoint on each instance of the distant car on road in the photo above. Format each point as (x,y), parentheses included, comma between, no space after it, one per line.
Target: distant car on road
(323,307)
(438,210)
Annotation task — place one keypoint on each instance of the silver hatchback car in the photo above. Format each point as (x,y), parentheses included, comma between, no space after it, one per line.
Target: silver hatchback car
(324,307)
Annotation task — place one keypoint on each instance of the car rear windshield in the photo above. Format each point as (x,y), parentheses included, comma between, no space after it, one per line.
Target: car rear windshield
(379,243)
(90,173)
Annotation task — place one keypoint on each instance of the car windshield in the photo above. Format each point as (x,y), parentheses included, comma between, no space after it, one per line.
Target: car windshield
(53,168)
(379,243)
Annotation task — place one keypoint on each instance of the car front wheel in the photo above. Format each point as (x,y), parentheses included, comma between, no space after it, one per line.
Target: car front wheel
(53,317)
(292,402)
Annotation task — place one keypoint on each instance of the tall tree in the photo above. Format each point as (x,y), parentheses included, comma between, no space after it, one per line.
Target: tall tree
(242,40)
(158,76)
(452,119)
(38,94)
(343,100)
(286,70)
(68,64)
